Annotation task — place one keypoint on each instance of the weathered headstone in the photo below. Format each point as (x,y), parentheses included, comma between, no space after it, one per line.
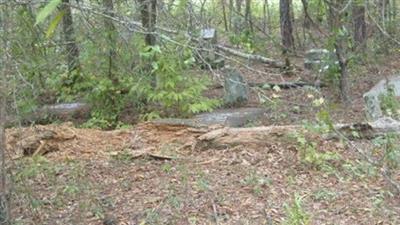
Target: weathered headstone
(372,97)
(318,59)
(236,90)
(208,52)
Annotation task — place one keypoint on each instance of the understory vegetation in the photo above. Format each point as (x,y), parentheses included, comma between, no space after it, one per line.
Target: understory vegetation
(199,112)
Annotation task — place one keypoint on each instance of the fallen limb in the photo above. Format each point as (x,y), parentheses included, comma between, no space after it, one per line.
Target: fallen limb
(271,62)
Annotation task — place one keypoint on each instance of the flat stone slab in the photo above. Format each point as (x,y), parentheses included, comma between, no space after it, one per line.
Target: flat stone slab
(238,117)
(371,98)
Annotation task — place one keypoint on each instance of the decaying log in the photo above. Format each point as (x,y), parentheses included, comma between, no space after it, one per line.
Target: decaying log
(253,136)
(288,85)
(268,61)
(259,136)
(63,112)
(282,85)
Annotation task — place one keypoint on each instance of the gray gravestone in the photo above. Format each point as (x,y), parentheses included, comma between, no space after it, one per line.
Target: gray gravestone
(236,90)
(372,100)
(208,52)
(318,59)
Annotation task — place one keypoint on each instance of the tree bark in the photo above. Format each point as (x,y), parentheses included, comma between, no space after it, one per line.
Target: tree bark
(239,6)
(6,70)
(359,25)
(286,26)
(231,13)
(247,15)
(111,37)
(148,10)
(224,15)
(259,136)
(72,50)
(335,22)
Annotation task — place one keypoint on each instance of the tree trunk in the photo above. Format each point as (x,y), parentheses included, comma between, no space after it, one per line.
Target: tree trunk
(148,10)
(286,26)
(224,15)
(335,22)
(239,6)
(344,76)
(265,3)
(231,13)
(307,19)
(360,28)
(5,62)
(72,50)
(247,14)
(111,37)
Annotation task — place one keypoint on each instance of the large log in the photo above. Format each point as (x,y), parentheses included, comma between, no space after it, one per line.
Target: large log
(259,136)
(63,112)
(282,85)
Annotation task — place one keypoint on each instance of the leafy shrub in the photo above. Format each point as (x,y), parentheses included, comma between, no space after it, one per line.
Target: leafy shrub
(245,39)
(296,215)
(311,156)
(168,87)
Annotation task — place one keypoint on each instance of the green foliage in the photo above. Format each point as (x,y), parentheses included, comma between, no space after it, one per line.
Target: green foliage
(311,156)
(256,181)
(169,88)
(245,40)
(54,23)
(296,214)
(360,169)
(33,167)
(389,103)
(124,157)
(46,11)
(324,195)
(388,147)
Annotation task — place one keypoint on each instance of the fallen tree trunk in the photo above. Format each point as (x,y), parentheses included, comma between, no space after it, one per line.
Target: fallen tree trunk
(64,112)
(282,85)
(287,85)
(268,61)
(259,136)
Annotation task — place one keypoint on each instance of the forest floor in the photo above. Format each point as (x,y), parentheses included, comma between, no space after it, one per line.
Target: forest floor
(158,174)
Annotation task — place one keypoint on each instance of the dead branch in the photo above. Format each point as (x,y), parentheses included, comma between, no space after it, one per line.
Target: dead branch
(268,61)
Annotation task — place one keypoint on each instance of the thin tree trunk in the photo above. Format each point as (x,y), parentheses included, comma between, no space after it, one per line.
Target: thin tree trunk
(231,9)
(5,62)
(148,9)
(265,16)
(286,26)
(239,6)
(224,14)
(359,24)
(72,50)
(335,22)
(247,15)
(111,37)
(344,76)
